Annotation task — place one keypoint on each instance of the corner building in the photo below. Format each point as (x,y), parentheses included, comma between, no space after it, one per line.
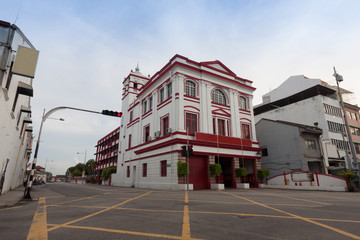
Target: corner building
(204,103)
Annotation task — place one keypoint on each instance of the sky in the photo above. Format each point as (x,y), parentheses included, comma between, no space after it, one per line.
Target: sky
(88,47)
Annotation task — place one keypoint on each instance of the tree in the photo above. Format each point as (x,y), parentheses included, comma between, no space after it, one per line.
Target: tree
(90,167)
(76,173)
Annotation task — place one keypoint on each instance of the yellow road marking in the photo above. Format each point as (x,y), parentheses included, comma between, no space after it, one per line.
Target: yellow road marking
(122,231)
(186,219)
(76,200)
(293,198)
(96,213)
(299,217)
(38,229)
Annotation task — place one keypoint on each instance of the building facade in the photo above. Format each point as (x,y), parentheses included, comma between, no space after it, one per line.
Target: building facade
(18,59)
(353,118)
(310,102)
(107,149)
(289,147)
(201,103)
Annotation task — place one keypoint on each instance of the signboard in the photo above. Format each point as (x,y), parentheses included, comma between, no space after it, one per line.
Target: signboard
(25,62)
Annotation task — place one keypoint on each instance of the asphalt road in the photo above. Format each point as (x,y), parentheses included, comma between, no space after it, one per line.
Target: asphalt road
(70,211)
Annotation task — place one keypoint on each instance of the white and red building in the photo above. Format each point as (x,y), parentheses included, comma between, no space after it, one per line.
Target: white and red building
(209,100)
(107,151)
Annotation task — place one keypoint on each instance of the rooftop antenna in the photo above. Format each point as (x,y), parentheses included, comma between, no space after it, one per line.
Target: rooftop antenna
(17,15)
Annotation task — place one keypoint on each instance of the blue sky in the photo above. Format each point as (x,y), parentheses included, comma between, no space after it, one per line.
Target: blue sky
(88,47)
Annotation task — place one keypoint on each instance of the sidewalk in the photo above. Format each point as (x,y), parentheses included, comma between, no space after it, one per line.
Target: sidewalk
(12,198)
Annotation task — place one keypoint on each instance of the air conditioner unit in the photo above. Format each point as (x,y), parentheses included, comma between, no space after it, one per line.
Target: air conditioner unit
(148,138)
(157,134)
(168,130)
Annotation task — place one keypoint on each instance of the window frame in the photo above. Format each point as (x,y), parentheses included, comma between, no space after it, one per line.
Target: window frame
(190,86)
(243,103)
(215,96)
(190,121)
(246,133)
(144,168)
(163,168)
(161,95)
(168,90)
(146,133)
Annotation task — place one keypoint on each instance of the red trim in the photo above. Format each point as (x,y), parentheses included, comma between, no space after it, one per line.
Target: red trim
(188,106)
(164,103)
(226,114)
(136,120)
(191,100)
(145,115)
(170,65)
(154,155)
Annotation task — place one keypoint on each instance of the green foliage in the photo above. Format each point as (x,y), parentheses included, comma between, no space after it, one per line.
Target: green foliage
(90,180)
(261,173)
(215,169)
(348,175)
(107,172)
(240,172)
(181,168)
(90,166)
(76,173)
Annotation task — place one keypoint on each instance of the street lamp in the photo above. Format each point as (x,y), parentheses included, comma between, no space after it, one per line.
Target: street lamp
(83,173)
(45,116)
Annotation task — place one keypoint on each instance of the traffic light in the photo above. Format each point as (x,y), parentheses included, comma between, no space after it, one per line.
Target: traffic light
(183,151)
(111,113)
(190,151)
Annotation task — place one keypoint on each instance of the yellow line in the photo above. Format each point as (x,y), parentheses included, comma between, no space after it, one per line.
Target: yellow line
(38,229)
(96,213)
(76,200)
(122,231)
(293,198)
(301,218)
(186,219)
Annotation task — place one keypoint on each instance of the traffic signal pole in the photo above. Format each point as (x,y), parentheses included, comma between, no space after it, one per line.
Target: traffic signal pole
(45,116)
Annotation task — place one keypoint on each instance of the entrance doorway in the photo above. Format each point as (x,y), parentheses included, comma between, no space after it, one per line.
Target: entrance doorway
(199,173)
(227,171)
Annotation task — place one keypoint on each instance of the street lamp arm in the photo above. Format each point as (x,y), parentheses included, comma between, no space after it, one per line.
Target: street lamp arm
(64,107)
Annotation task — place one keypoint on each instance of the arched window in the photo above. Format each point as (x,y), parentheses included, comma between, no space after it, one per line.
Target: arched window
(218,96)
(243,103)
(190,88)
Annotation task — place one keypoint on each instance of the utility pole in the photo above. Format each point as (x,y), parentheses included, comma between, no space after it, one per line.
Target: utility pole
(338,79)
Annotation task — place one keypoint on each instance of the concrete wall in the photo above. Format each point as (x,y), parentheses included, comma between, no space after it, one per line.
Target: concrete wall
(320,182)
(14,140)
(283,144)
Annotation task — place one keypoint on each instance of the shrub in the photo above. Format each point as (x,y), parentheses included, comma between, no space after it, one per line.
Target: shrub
(215,169)
(240,172)
(261,173)
(348,175)
(107,172)
(181,168)
(90,180)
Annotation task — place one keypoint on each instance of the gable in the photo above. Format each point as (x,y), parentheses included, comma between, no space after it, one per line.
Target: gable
(217,65)
(222,112)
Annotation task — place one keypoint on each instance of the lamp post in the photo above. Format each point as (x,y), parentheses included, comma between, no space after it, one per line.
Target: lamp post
(83,173)
(45,116)
(339,79)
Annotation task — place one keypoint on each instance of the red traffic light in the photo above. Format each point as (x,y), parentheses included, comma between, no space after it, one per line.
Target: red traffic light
(111,113)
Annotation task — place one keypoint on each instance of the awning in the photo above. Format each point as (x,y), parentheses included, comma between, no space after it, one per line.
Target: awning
(25,89)
(29,129)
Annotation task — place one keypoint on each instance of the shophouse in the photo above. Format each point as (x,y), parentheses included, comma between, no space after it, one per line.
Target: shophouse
(311,102)
(18,59)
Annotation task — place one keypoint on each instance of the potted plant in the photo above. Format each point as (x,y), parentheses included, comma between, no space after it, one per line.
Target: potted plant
(241,173)
(262,173)
(348,175)
(181,172)
(215,171)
